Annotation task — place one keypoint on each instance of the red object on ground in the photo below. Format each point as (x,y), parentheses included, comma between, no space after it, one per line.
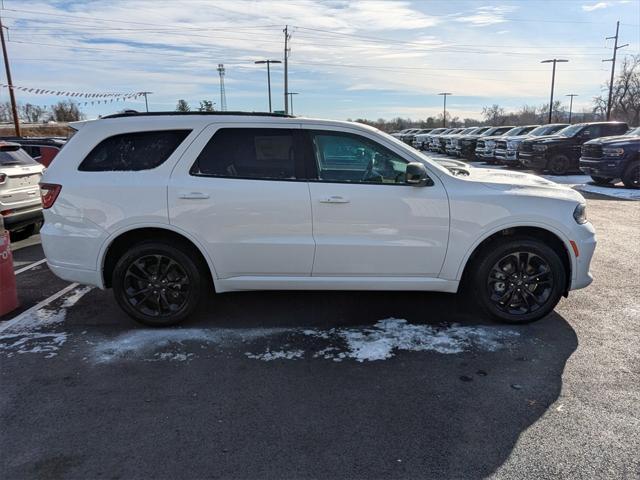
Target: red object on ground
(8,290)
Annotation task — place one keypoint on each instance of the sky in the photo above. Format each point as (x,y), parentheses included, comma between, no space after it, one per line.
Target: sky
(349,59)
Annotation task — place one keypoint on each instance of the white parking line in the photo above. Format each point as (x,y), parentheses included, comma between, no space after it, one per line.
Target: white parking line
(37,306)
(30,266)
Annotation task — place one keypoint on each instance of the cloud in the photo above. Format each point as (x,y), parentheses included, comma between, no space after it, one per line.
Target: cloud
(487,15)
(595,6)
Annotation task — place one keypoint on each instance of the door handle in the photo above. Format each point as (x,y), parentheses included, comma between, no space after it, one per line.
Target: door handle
(193,195)
(334,199)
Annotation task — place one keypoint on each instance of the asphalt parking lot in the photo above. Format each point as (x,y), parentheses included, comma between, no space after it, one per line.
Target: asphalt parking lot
(326,385)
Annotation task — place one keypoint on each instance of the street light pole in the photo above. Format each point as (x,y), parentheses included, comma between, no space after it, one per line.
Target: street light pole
(613,67)
(146,102)
(553,81)
(291,94)
(571,104)
(444,111)
(268,62)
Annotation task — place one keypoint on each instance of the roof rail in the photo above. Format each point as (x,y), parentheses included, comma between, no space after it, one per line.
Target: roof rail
(130,113)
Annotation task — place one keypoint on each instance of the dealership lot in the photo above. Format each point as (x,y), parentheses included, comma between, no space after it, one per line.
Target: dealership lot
(350,384)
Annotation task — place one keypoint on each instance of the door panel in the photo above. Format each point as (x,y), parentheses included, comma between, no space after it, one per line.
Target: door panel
(379,230)
(249,226)
(373,224)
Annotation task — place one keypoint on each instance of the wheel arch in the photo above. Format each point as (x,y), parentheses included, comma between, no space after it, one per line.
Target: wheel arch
(552,238)
(118,242)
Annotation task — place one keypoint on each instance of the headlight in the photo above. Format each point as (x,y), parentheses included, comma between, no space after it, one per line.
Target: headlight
(613,152)
(539,148)
(580,213)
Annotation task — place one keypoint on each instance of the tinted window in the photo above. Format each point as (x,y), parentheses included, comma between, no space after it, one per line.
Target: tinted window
(15,156)
(618,129)
(266,153)
(592,131)
(133,151)
(351,158)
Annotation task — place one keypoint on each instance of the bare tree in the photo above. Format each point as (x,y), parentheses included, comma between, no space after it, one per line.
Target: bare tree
(206,106)
(32,113)
(495,114)
(66,111)
(625,105)
(183,106)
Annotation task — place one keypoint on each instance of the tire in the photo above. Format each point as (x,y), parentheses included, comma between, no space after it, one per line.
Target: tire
(601,180)
(631,176)
(558,164)
(499,258)
(163,299)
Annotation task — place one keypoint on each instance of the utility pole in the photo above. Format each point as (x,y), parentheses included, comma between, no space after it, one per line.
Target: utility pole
(14,107)
(571,104)
(553,81)
(146,102)
(268,62)
(291,94)
(444,112)
(613,66)
(223,94)
(287,36)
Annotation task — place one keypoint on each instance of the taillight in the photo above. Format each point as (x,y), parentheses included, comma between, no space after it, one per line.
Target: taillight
(49,192)
(3,177)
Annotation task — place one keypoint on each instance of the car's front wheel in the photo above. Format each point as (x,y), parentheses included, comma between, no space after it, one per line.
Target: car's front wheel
(601,180)
(631,177)
(558,164)
(158,284)
(518,280)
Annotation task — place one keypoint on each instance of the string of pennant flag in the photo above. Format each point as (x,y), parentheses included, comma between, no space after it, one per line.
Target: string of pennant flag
(90,97)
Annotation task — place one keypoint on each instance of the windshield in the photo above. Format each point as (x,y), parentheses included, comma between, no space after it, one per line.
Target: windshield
(514,131)
(570,131)
(633,133)
(15,156)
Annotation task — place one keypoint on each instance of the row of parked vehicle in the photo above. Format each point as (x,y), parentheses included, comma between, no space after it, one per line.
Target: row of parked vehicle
(607,151)
(22,163)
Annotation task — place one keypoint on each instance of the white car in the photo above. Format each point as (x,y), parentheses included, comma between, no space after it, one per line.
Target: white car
(166,208)
(20,205)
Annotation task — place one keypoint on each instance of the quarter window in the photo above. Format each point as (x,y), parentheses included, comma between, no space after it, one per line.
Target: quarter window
(265,153)
(351,158)
(133,151)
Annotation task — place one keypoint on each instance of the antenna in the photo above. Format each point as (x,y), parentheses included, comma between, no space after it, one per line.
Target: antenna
(223,95)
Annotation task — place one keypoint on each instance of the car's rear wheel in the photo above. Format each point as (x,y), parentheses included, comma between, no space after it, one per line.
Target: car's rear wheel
(558,164)
(601,180)
(158,284)
(631,177)
(518,280)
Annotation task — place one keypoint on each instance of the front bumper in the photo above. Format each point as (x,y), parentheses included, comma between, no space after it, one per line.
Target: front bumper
(602,167)
(506,156)
(484,154)
(535,161)
(586,242)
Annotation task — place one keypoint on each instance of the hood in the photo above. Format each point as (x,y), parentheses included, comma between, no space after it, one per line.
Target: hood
(511,138)
(493,137)
(613,140)
(549,139)
(521,183)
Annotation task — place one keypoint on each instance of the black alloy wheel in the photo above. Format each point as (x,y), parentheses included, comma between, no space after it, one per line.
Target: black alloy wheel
(157,284)
(517,279)
(601,180)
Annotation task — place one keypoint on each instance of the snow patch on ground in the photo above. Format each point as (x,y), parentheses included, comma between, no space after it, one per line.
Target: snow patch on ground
(568,179)
(386,337)
(27,335)
(616,192)
(270,355)
(146,343)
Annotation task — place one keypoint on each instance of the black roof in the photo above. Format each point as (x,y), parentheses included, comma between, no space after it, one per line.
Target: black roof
(159,114)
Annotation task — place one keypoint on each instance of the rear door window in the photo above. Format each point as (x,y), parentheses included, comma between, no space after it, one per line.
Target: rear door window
(251,153)
(133,151)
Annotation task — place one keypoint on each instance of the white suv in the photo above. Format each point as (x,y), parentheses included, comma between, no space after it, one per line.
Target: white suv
(166,208)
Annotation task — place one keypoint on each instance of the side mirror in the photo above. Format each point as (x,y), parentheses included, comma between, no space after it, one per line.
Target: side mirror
(416,175)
